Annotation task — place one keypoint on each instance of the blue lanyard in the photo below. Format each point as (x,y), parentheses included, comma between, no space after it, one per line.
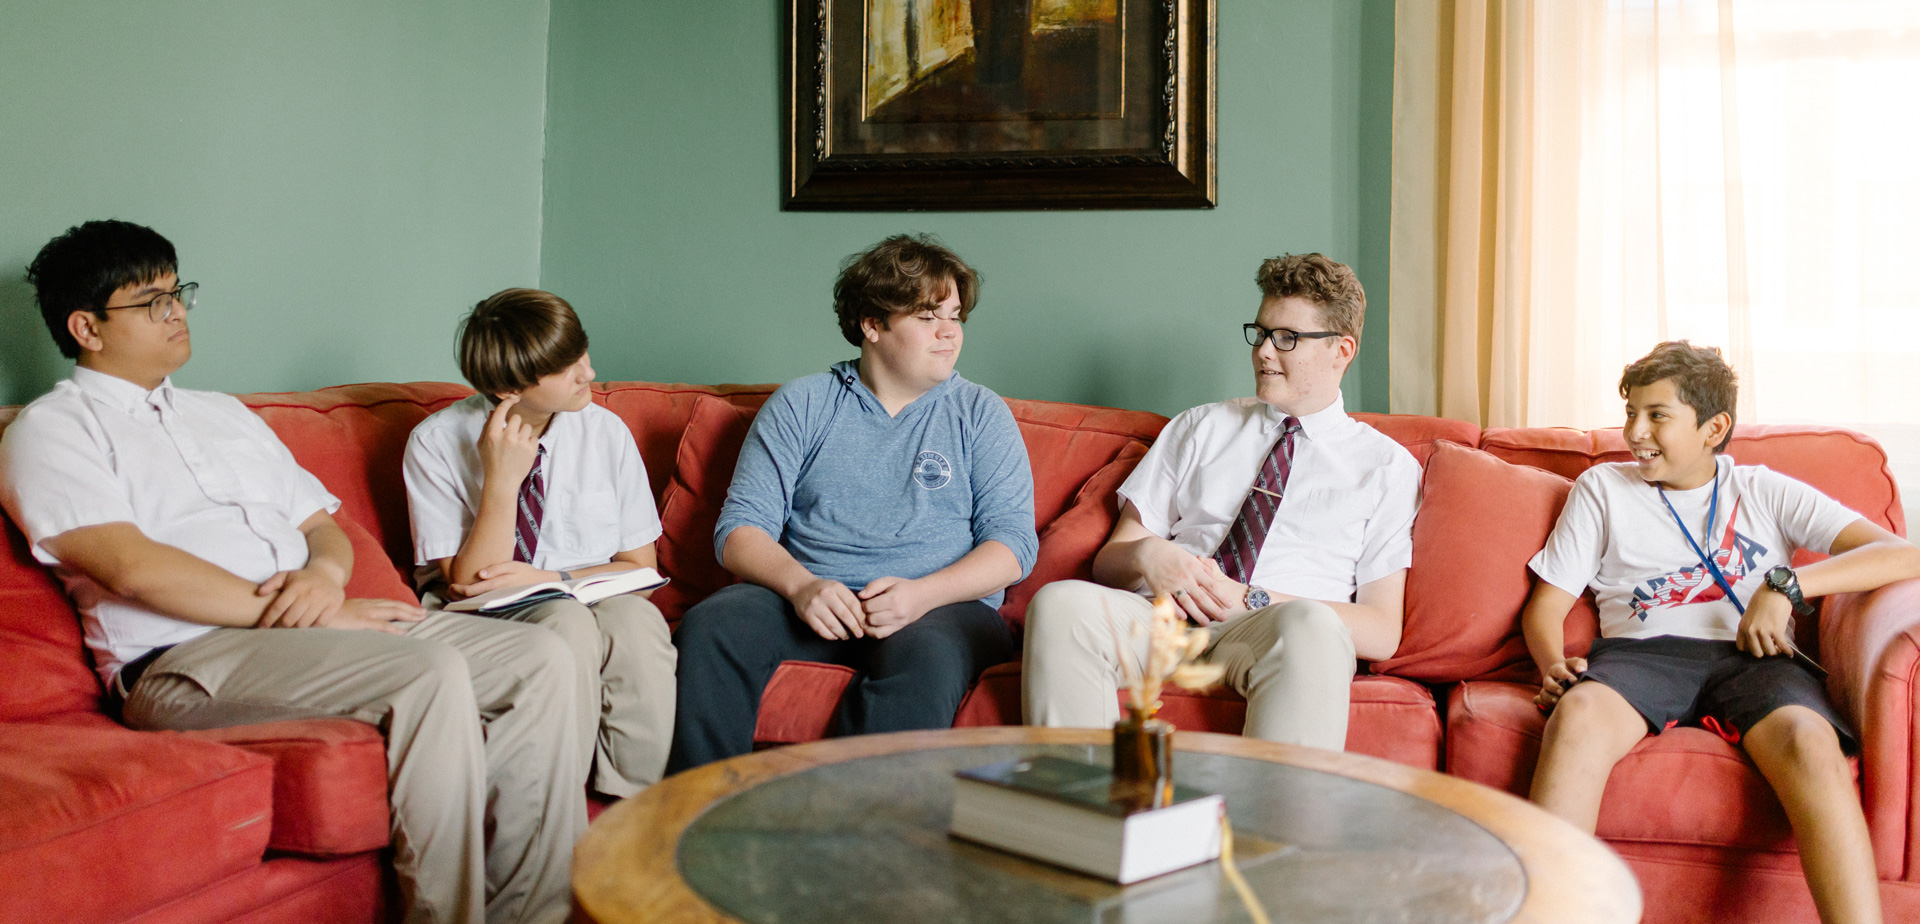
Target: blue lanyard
(1713,513)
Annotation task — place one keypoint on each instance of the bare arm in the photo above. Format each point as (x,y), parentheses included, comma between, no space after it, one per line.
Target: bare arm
(1135,558)
(517,574)
(1865,557)
(892,603)
(172,581)
(1543,623)
(508,446)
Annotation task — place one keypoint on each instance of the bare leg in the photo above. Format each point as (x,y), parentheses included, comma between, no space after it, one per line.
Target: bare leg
(1799,753)
(1592,727)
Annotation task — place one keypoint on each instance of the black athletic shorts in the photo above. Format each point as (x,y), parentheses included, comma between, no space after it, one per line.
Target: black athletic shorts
(1690,681)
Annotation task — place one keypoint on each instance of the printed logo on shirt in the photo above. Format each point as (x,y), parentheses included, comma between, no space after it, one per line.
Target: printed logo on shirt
(931,470)
(1735,557)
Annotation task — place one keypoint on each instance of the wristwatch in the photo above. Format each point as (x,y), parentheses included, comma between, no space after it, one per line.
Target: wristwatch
(1787,584)
(1256,598)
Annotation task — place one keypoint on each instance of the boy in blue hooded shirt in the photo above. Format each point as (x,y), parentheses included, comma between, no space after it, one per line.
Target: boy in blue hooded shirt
(877,515)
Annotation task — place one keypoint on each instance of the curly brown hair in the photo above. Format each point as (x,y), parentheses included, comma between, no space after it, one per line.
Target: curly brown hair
(1328,284)
(514,337)
(900,274)
(1700,374)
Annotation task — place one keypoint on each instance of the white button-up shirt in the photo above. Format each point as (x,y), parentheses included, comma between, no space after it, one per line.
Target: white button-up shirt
(192,469)
(1346,518)
(598,499)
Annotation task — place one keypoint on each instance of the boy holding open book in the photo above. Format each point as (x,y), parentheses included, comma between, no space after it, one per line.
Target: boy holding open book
(1690,558)
(529,482)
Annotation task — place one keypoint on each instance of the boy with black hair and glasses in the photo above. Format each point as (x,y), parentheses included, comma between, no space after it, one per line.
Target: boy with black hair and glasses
(530,481)
(210,575)
(1690,559)
(1277,521)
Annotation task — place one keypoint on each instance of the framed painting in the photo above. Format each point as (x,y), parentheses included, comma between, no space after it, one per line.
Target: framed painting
(999,104)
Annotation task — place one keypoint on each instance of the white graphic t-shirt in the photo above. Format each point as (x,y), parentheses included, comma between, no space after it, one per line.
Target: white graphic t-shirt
(1617,536)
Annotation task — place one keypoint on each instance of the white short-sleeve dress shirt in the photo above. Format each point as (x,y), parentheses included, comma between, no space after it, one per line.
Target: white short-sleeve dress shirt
(598,498)
(192,469)
(1346,517)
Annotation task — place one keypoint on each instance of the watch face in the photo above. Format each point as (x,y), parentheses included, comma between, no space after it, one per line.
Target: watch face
(1778,576)
(1257,598)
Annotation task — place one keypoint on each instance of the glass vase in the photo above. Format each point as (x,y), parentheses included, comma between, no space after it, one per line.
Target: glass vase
(1142,760)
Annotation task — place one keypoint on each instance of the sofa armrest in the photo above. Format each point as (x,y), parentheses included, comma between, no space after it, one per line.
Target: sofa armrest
(329,782)
(1870,642)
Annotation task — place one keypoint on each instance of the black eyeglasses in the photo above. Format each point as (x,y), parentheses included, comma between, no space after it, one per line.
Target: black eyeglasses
(1282,338)
(160,307)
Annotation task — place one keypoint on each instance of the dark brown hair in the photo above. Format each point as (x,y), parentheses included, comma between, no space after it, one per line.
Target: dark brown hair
(1331,286)
(900,274)
(1703,379)
(515,336)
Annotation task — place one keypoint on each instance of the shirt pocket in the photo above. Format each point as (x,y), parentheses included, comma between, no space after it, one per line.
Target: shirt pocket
(591,529)
(1331,520)
(253,471)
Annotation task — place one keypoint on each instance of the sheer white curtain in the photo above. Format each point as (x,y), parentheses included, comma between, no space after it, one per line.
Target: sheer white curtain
(1576,180)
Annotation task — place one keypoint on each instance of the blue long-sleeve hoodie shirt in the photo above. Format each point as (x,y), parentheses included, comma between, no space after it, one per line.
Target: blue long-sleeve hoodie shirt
(855,495)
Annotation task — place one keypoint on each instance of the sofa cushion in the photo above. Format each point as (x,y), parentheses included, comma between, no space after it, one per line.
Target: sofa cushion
(352,438)
(48,671)
(1493,738)
(1480,521)
(1847,466)
(329,782)
(703,470)
(1387,717)
(1419,433)
(658,413)
(1069,542)
(157,814)
(799,701)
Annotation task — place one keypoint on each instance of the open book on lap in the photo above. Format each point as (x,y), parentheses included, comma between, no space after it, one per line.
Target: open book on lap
(588,590)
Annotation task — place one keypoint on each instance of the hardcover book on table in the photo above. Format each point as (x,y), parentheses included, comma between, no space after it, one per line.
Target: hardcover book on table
(1072,814)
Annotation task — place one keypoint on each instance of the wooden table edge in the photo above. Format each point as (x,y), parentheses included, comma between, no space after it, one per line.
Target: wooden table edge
(1571,877)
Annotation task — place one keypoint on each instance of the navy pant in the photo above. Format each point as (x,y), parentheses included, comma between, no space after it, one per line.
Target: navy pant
(731,643)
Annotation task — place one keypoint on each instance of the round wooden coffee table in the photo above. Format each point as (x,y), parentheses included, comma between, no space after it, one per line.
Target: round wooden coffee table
(854,829)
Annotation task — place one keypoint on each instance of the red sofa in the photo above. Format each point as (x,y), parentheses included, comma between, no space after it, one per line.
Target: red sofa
(285,822)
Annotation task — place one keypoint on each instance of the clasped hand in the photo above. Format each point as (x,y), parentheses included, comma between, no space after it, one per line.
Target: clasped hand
(313,598)
(834,611)
(1194,582)
(1560,677)
(1766,627)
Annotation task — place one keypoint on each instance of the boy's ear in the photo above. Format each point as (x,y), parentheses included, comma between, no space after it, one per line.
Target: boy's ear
(1718,426)
(85,328)
(870,329)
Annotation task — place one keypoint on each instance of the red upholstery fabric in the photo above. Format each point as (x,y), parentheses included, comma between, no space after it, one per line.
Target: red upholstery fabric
(1419,434)
(289,890)
(1847,466)
(658,414)
(157,815)
(48,669)
(1480,521)
(1068,543)
(352,438)
(329,783)
(798,703)
(1068,443)
(1493,737)
(1871,645)
(1389,717)
(703,469)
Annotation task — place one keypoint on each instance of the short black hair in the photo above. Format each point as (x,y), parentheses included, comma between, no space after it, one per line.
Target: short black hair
(902,273)
(81,269)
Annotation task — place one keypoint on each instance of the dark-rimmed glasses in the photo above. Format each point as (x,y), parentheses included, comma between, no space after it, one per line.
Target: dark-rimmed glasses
(1282,339)
(160,307)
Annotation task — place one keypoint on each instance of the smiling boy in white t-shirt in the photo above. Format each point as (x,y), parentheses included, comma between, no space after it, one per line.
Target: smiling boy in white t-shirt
(1690,559)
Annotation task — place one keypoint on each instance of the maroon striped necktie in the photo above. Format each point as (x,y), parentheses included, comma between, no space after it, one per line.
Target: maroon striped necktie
(532,507)
(1241,548)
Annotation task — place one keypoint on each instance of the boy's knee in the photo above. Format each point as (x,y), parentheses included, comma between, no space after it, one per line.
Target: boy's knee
(1067,614)
(546,658)
(1310,621)
(1800,736)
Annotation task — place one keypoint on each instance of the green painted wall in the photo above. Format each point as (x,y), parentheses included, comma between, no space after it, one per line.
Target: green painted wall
(662,222)
(342,178)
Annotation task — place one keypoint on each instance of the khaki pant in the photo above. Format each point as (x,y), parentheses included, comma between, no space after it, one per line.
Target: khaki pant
(1292,661)
(623,681)
(479,720)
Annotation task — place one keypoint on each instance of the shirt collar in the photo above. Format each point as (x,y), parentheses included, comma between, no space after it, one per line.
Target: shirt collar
(848,372)
(120,393)
(1318,425)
